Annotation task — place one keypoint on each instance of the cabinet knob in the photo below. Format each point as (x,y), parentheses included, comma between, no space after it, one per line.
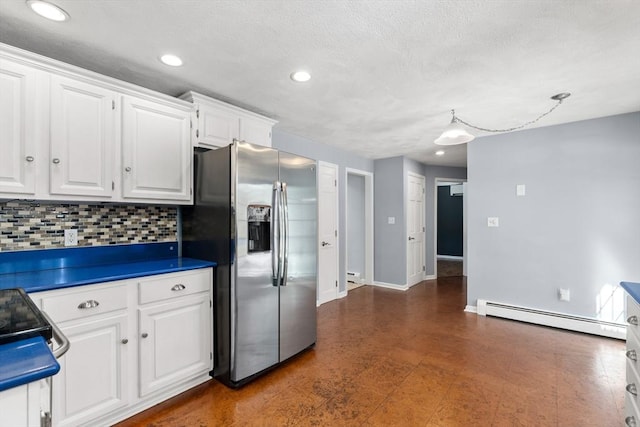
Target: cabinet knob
(127,169)
(631,354)
(631,388)
(630,421)
(144,335)
(29,158)
(178,287)
(55,161)
(88,304)
(124,341)
(633,320)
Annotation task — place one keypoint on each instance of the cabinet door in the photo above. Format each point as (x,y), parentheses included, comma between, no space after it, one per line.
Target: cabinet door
(82,138)
(17,127)
(156,151)
(255,131)
(216,128)
(175,341)
(93,373)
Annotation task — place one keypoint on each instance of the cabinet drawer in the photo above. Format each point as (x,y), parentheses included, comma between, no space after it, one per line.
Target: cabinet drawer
(631,417)
(86,302)
(633,351)
(173,286)
(632,386)
(633,315)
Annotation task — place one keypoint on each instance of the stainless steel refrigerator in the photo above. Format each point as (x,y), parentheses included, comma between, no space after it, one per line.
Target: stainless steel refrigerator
(254,214)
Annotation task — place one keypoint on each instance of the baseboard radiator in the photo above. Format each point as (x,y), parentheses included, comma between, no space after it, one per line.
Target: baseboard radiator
(553,319)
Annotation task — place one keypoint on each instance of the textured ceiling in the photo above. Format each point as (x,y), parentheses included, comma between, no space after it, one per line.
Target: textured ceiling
(385,73)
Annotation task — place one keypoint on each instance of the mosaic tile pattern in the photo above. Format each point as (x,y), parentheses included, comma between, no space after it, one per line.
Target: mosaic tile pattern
(38,225)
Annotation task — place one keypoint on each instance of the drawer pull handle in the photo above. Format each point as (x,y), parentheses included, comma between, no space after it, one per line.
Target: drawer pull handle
(144,335)
(124,341)
(633,320)
(630,421)
(178,287)
(631,388)
(631,354)
(88,304)
(29,158)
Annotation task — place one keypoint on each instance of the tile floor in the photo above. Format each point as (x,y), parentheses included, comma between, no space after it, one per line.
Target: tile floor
(415,358)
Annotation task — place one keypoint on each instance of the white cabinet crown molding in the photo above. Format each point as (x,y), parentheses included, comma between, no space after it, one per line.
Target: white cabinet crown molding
(200,99)
(45,63)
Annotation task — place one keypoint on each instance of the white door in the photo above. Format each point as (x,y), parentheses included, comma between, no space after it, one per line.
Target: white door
(156,150)
(82,138)
(327,232)
(93,373)
(17,141)
(415,229)
(174,341)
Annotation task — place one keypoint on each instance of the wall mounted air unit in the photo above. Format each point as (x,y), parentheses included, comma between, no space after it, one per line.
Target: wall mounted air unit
(456,190)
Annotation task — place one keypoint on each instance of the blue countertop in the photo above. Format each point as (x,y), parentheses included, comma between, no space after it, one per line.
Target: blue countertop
(26,361)
(30,359)
(632,289)
(44,270)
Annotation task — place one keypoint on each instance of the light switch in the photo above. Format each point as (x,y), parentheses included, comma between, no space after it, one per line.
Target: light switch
(493,221)
(391,220)
(520,190)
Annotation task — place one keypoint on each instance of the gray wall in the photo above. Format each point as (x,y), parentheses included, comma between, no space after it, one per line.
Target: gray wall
(431,173)
(355,224)
(390,258)
(305,147)
(578,226)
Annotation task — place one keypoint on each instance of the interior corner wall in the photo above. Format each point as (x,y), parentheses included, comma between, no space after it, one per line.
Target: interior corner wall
(390,257)
(577,227)
(294,144)
(431,173)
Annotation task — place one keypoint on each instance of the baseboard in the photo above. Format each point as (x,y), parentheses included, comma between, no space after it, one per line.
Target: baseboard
(449,258)
(342,294)
(569,322)
(471,309)
(391,286)
(430,277)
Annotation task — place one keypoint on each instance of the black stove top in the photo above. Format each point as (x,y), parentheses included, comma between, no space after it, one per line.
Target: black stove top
(20,318)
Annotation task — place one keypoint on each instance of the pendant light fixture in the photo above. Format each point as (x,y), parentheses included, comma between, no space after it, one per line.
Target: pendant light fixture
(455,133)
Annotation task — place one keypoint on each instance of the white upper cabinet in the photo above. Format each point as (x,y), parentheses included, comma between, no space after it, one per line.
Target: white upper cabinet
(216,127)
(156,150)
(17,128)
(218,124)
(70,134)
(82,138)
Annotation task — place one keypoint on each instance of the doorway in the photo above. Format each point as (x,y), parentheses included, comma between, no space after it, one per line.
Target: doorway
(359,228)
(450,227)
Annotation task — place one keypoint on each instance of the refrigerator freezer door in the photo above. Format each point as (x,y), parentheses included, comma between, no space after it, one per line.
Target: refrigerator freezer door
(298,291)
(254,299)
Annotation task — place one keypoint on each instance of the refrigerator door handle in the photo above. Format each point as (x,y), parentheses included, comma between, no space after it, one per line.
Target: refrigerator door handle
(285,234)
(275,234)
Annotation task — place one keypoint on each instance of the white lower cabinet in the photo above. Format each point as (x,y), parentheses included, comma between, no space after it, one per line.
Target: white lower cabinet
(20,406)
(134,343)
(173,342)
(632,415)
(93,372)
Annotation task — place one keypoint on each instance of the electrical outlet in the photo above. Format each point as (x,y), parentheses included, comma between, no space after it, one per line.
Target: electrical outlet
(493,221)
(391,220)
(564,294)
(71,237)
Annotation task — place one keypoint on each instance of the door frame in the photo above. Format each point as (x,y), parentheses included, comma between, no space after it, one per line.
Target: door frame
(435,223)
(337,219)
(406,226)
(368,226)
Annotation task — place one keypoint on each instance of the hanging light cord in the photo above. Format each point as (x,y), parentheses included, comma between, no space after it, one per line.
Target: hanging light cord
(559,98)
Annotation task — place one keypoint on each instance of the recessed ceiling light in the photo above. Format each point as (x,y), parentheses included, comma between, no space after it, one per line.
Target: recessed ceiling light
(48,10)
(300,76)
(171,60)
(439,153)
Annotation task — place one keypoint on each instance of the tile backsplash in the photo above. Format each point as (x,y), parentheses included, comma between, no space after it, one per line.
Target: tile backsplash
(40,225)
